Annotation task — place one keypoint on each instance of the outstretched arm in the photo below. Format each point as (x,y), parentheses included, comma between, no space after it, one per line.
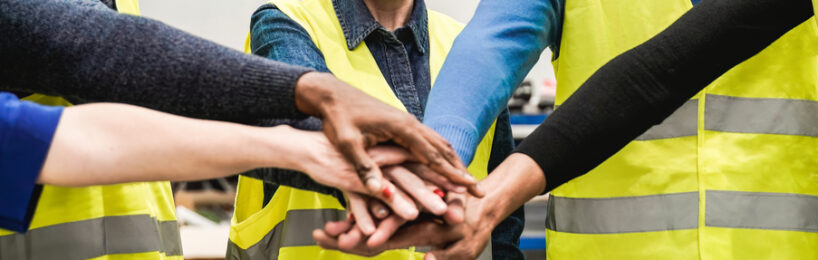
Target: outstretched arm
(105,143)
(471,90)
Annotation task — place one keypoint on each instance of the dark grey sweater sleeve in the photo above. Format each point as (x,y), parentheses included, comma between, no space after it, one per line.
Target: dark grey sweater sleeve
(85,52)
(644,85)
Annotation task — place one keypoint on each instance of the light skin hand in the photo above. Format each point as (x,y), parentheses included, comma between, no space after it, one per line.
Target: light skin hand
(514,182)
(346,234)
(313,154)
(353,120)
(424,194)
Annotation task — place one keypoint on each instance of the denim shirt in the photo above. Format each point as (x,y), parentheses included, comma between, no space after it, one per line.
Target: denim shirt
(402,57)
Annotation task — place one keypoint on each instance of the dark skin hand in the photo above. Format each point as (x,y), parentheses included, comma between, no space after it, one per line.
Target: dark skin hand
(353,121)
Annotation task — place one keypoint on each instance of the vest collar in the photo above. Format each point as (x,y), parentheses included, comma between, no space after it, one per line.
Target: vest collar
(357,23)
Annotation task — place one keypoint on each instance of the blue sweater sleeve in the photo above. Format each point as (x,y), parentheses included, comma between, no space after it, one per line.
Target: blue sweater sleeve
(26,130)
(470,90)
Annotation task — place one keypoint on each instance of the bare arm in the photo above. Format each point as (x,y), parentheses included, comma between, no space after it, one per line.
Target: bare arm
(107,143)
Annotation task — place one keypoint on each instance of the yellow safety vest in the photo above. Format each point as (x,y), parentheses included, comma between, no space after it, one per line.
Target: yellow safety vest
(124,221)
(283,228)
(732,174)
(814,12)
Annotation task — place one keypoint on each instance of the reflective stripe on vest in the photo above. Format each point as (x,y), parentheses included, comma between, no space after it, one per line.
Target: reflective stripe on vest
(741,115)
(93,238)
(733,209)
(733,169)
(258,233)
(278,237)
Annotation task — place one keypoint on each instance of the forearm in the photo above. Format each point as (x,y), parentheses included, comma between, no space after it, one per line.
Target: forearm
(112,143)
(641,87)
(93,54)
(509,35)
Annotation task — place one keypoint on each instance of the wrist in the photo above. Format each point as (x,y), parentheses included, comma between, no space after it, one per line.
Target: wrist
(512,184)
(313,95)
(280,147)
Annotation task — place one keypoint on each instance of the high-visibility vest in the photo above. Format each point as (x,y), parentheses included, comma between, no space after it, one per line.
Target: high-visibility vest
(123,221)
(283,228)
(732,174)
(815,11)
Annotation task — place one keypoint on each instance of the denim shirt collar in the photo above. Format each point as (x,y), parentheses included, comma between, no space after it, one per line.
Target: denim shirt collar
(357,23)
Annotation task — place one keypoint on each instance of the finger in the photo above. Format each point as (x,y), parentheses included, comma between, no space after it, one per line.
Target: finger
(385,230)
(336,228)
(418,189)
(324,240)
(424,233)
(378,209)
(400,203)
(350,143)
(447,153)
(349,240)
(358,208)
(385,155)
(445,148)
(436,162)
(457,211)
(431,176)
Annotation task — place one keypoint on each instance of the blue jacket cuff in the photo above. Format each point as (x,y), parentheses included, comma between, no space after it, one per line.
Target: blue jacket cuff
(461,133)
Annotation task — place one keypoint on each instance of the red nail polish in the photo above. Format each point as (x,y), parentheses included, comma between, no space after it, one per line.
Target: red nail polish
(439,193)
(387,193)
(351,217)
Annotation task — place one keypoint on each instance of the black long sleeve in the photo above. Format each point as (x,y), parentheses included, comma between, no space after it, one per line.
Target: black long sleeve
(86,52)
(644,85)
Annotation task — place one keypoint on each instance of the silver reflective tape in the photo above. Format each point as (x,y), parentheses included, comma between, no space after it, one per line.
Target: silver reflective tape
(295,230)
(93,238)
(761,210)
(679,124)
(623,214)
(761,115)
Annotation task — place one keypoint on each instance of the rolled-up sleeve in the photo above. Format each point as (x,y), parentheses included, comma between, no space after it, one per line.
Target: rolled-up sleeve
(26,130)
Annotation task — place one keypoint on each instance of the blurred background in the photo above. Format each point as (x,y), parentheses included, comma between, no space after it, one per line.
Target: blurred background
(205,207)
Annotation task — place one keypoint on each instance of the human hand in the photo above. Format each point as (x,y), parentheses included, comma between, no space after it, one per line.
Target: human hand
(354,120)
(514,182)
(465,240)
(426,195)
(311,153)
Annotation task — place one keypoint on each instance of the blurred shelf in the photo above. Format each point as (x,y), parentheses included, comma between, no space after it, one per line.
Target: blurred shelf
(523,125)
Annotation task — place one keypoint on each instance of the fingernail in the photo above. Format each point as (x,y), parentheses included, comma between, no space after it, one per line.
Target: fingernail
(351,217)
(373,184)
(387,193)
(471,178)
(440,193)
(381,212)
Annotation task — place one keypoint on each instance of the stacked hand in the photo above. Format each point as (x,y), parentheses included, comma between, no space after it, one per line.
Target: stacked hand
(460,231)
(396,185)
